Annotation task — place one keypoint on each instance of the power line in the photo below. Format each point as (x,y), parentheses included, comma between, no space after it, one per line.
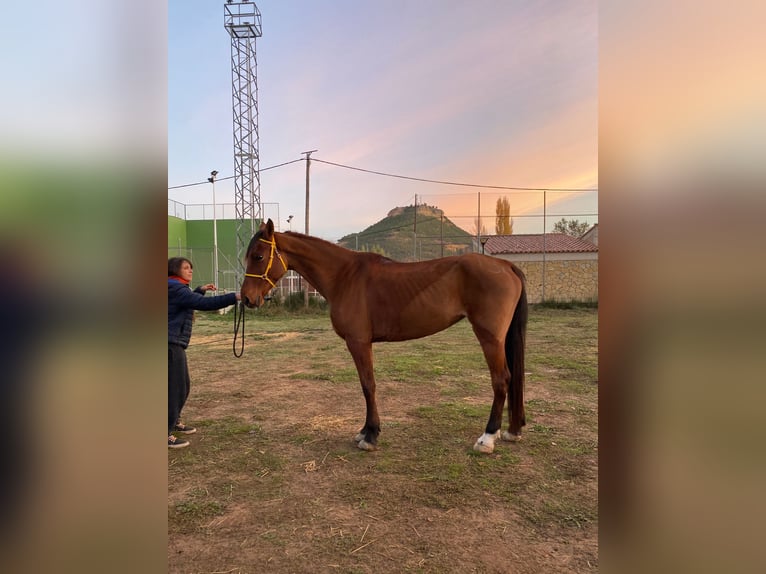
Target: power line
(282,164)
(384,174)
(530,215)
(232,176)
(453,182)
(198,183)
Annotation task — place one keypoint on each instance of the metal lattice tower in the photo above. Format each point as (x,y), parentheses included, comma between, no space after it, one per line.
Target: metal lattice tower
(242,21)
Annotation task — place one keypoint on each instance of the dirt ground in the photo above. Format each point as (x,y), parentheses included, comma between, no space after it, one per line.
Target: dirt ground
(273,482)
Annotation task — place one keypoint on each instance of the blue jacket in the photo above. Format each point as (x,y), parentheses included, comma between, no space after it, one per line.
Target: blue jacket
(182,302)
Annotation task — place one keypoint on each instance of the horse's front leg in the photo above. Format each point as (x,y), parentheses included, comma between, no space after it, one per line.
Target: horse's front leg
(367,439)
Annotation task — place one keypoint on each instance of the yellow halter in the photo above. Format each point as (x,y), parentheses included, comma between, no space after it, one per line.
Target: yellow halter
(265,274)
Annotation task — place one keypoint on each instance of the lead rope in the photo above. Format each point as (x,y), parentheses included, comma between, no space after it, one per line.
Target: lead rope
(239,320)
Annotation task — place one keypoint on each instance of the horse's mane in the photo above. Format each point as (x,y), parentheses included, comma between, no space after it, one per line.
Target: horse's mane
(319,240)
(365,254)
(259,234)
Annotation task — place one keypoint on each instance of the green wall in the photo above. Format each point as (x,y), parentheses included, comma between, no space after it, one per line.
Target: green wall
(198,234)
(176,233)
(196,243)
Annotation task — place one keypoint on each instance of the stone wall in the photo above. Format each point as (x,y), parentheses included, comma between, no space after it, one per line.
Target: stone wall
(564,280)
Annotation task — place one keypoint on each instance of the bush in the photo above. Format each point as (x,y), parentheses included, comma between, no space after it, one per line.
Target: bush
(293,304)
(296,302)
(558,304)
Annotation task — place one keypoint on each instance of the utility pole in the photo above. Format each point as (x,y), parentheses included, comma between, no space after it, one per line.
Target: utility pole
(415,232)
(478,220)
(211,179)
(545,209)
(308,166)
(441,232)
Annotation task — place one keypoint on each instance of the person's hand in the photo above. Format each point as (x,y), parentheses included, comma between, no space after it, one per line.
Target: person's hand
(210,287)
(239,295)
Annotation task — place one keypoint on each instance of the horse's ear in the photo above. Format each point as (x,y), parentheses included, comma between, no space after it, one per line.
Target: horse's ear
(266,227)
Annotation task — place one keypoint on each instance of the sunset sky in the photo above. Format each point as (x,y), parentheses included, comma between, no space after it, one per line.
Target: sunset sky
(490,92)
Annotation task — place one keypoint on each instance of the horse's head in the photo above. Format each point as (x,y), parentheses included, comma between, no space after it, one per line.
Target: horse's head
(264,266)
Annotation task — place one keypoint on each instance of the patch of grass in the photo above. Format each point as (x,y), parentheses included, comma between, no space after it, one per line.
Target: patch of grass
(443,469)
(542,429)
(578,387)
(327,372)
(421,498)
(406,367)
(577,446)
(569,513)
(300,439)
(193,510)
(259,337)
(228,426)
(453,416)
(538,406)
(572,368)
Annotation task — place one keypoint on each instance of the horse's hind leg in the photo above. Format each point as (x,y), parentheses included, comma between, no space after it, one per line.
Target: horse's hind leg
(494,353)
(367,439)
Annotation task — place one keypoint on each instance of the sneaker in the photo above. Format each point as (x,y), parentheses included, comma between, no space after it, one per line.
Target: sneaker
(174,442)
(185,429)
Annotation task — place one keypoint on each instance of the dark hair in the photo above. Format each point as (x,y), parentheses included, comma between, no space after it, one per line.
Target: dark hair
(174,265)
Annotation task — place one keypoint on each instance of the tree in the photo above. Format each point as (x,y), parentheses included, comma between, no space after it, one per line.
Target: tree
(374,248)
(571,227)
(503,219)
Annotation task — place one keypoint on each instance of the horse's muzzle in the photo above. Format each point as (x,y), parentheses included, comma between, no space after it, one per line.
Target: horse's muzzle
(260,300)
(252,304)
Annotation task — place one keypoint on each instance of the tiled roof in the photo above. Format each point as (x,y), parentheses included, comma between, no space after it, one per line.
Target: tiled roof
(533,243)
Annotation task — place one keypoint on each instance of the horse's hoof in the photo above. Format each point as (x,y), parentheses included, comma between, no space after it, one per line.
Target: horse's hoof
(364,445)
(484,447)
(485,443)
(510,437)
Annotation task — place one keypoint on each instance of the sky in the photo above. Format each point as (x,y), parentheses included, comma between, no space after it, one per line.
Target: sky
(493,93)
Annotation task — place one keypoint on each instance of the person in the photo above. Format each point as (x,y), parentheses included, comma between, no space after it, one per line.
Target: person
(182,302)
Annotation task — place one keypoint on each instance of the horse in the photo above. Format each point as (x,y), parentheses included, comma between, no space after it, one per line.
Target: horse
(373,299)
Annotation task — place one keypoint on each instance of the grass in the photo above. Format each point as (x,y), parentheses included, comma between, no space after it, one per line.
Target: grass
(273,482)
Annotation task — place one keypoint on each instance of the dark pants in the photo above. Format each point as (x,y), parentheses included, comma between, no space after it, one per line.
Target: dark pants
(178,383)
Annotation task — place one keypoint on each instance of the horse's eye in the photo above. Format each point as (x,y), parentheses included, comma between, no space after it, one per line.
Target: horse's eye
(259,257)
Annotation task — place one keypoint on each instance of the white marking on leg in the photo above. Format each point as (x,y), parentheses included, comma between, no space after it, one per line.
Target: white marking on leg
(364,445)
(359,437)
(486,443)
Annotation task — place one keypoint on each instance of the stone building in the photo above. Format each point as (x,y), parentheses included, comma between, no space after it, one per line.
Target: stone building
(558,267)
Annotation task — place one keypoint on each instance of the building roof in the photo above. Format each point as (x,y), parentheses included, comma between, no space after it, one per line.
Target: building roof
(537,243)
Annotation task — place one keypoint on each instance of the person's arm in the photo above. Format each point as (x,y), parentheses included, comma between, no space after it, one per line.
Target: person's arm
(197,301)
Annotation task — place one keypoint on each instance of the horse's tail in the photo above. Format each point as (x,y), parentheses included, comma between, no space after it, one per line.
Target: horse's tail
(515,342)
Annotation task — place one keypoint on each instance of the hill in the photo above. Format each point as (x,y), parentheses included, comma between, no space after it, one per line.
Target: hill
(392,236)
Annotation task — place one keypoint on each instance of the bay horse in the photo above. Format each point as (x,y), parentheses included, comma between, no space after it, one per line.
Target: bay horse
(374,299)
